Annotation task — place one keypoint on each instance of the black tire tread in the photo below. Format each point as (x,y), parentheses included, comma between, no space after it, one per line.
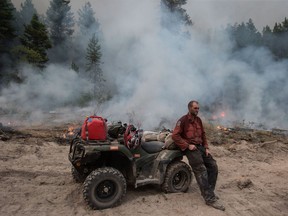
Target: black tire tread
(170,170)
(97,174)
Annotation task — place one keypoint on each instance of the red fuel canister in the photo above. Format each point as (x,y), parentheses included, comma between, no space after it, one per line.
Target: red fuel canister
(94,128)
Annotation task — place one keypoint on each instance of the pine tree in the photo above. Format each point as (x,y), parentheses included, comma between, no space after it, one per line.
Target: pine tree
(24,16)
(277,28)
(245,34)
(267,30)
(254,37)
(88,26)
(87,21)
(267,37)
(174,16)
(94,55)
(284,38)
(35,43)
(285,25)
(241,35)
(280,31)
(7,36)
(60,21)
(93,58)
(7,31)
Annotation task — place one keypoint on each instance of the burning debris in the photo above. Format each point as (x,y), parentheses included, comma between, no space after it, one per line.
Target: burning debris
(68,135)
(38,134)
(71,131)
(225,129)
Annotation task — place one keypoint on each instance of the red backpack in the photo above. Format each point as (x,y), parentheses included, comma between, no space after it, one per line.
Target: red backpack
(94,128)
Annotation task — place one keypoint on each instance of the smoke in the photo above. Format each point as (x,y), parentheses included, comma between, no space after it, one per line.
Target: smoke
(164,79)
(42,94)
(154,74)
(211,13)
(158,73)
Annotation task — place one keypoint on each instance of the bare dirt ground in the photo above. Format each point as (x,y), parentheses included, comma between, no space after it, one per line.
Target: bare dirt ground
(35,178)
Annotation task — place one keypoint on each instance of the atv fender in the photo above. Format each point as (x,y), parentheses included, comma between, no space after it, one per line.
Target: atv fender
(166,156)
(163,160)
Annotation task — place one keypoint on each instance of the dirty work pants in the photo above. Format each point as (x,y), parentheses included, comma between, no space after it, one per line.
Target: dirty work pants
(205,170)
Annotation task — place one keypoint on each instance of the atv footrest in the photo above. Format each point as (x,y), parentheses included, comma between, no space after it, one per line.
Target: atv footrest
(142,182)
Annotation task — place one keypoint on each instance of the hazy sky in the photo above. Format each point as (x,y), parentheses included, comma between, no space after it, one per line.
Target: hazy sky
(207,13)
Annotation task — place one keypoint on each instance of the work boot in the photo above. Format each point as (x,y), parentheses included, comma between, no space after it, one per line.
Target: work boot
(216,204)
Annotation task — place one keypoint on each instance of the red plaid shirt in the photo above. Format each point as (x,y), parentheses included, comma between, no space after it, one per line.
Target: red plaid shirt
(189,130)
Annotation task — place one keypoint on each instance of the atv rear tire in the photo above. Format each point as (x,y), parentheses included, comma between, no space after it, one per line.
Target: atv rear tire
(77,177)
(104,188)
(178,178)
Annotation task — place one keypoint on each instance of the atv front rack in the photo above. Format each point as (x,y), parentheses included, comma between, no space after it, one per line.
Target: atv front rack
(77,149)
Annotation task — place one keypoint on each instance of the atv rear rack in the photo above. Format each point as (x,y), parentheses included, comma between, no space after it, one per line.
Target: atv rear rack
(78,146)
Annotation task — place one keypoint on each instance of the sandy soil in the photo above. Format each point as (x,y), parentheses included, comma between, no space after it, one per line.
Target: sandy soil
(35,179)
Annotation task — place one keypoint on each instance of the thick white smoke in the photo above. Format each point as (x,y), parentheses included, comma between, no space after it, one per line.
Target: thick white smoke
(42,94)
(157,73)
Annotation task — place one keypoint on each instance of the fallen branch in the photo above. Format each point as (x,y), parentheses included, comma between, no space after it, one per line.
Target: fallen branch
(268,142)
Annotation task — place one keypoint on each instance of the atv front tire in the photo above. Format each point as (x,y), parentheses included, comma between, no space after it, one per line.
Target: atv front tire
(178,178)
(104,188)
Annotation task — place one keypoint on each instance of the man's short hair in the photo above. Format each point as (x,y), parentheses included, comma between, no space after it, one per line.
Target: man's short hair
(191,102)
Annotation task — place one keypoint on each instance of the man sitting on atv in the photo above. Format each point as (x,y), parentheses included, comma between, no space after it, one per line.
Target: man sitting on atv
(189,135)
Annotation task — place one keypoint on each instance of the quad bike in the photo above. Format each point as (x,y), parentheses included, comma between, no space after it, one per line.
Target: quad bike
(107,166)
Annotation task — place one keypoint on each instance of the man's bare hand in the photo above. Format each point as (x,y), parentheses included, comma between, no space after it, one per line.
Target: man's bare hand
(207,152)
(192,147)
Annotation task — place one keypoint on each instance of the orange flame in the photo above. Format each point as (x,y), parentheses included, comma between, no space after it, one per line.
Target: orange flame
(70,132)
(222,128)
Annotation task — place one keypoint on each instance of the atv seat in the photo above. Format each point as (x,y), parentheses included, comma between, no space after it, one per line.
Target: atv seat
(152,146)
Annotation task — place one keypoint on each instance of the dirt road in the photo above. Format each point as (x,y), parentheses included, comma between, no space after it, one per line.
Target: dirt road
(35,179)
